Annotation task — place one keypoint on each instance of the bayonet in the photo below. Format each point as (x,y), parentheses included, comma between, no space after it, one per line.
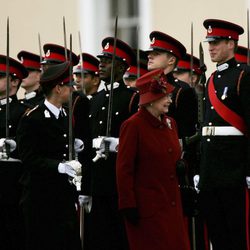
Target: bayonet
(65,39)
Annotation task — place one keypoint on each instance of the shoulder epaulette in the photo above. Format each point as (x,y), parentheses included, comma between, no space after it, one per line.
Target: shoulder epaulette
(28,111)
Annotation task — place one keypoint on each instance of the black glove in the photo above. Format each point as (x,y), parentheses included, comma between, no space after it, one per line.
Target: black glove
(131,215)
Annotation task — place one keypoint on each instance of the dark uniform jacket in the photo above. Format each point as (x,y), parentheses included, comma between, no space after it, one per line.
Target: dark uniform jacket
(10,172)
(48,199)
(225,159)
(184,107)
(125,103)
(33,98)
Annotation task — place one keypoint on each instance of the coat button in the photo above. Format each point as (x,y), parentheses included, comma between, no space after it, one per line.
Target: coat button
(173,203)
(219,76)
(210,123)
(212,107)
(103,108)
(66,146)
(208,139)
(90,116)
(107,95)
(116,113)
(64,135)
(100,122)
(64,155)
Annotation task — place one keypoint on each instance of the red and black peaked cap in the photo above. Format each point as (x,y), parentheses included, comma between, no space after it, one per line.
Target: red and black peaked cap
(29,60)
(220,29)
(90,65)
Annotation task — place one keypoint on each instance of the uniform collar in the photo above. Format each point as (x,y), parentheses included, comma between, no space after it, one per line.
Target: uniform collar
(53,109)
(224,66)
(30,95)
(4,101)
(115,86)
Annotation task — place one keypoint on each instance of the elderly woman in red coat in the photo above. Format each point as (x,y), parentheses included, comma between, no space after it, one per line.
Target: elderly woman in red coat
(149,196)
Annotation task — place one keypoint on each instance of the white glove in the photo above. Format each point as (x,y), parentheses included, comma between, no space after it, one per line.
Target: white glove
(71,168)
(78,145)
(99,143)
(77,181)
(248,182)
(11,143)
(196,182)
(86,202)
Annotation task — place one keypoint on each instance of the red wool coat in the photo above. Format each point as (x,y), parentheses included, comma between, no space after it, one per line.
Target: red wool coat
(146,179)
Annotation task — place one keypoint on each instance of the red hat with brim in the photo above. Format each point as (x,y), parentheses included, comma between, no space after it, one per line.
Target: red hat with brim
(16,69)
(90,65)
(54,54)
(123,51)
(163,42)
(29,60)
(184,64)
(132,71)
(241,54)
(220,29)
(153,86)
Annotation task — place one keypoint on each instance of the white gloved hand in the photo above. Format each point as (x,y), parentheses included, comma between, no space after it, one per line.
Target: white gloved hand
(71,168)
(77,181)
(11,143)
(196,180)
(86,202)
(248,182)
(99,143)
(78,145)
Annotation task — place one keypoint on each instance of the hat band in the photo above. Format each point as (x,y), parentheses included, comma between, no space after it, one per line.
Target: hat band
(219,32)
(166,46)
(133,70)
(12,70)
(55,56)
(31,64)
(120,53)
(89,66)
(187,65)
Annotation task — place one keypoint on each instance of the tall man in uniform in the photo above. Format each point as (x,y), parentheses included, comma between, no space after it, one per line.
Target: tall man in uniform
(107,230)
(31,84)
(225,165)
(11,229)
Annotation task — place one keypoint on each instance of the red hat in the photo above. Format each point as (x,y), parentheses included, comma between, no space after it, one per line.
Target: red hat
(55,54)
(184,64)
(132,71)
(162,41)
(90,65)
(58,73)
(220,29)
(153,86)
(123,51)
(241,54)
(16,69)
(29,60)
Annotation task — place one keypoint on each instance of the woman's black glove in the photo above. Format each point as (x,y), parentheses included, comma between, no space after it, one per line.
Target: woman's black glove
(131,214)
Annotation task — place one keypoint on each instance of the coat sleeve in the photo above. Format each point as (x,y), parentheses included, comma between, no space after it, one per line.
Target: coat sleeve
(245,103)
(126,164)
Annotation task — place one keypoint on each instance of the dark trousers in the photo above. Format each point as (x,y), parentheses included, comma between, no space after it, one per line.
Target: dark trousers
(225,213)
(11,228)
(106,230)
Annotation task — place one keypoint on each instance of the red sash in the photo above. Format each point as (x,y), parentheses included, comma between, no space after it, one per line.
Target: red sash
(227,114)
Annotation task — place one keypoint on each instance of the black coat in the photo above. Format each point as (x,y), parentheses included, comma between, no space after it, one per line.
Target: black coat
(48,199)
(225,159)
(32,102)
(125,103)
(184,107)
(10,172)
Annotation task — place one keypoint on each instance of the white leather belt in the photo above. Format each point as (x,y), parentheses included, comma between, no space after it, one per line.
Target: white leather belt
(220,131)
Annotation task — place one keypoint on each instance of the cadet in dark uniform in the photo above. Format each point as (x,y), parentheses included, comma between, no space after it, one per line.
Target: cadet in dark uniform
(107,231)
(48,200)
(164,53)
(91,81)
(11,229)
(225,167)
(33,94)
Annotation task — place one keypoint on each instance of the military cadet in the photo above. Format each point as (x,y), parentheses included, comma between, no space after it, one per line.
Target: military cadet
(91,81)
(136,69)
(164,53)
(48,200)
(33,94)
(54,54)
(107,229)
(149,196)
(11,229)
(225,168)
